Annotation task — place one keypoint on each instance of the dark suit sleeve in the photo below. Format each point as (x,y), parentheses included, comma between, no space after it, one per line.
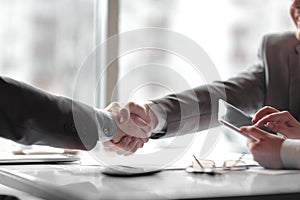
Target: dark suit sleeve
(31,116)
(196,109)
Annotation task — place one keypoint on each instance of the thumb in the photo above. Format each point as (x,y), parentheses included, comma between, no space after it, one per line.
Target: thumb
(124,115)
(139,121)
(140,111)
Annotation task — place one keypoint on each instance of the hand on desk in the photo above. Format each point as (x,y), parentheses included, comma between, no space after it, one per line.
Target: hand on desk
(134,127)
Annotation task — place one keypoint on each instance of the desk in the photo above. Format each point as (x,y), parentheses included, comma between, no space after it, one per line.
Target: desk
(86,182)
(8,193)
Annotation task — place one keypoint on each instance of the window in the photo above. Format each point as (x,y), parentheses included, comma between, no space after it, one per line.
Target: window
(44,42)
(229,31)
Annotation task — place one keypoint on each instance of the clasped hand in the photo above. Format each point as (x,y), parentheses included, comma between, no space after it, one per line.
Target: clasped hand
(133,127)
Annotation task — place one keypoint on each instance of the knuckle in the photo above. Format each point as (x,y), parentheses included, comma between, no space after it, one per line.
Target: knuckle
(251,128)
(122,144)
(140,144)
(135,149)
(131,104)
(123,108)
(127,149)
(114,104)
(131,145)
(268,107)
(284,112)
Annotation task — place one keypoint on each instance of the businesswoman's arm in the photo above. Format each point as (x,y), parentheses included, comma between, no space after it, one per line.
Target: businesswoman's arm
(272,151)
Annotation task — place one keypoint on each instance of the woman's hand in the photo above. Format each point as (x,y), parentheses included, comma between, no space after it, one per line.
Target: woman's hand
(278,121)
(266,149)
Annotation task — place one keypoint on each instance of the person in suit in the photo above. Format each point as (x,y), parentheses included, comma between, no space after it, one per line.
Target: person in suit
(273,81)
(273,151)
(29,116)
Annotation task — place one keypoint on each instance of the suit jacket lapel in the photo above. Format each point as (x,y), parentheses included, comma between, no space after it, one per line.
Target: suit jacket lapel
(294,82)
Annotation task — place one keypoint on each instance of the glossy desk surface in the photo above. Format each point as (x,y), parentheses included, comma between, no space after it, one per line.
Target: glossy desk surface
(87,182)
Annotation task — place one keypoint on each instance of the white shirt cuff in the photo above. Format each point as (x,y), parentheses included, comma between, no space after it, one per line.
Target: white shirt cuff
(161,122)
(290,154)
(106,125)
(160,115)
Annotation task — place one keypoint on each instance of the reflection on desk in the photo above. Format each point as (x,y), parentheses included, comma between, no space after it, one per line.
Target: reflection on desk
(87,182)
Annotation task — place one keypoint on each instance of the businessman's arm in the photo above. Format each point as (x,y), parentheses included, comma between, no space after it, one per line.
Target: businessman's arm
(31,116)
(196,109)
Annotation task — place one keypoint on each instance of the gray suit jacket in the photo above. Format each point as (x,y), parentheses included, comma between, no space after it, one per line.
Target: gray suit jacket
(31,116)
(274,81)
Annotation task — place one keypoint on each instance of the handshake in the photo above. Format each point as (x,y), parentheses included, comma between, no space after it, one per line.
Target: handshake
(134,125)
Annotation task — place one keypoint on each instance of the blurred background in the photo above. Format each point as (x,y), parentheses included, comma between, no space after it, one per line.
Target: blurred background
(44,42)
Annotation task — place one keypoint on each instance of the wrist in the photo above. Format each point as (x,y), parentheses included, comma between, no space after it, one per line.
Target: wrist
(106,125)
(118,135)
(152,115)
(157,116)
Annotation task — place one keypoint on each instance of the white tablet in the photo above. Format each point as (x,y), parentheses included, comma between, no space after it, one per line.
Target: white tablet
(234,118)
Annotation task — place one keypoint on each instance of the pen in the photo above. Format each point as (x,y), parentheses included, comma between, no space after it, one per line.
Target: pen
(198,161)
(238,160)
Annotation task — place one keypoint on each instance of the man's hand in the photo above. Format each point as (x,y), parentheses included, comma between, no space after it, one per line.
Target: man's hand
(133,127)
(131,120)
(127,145)
(278,121)
(266,149)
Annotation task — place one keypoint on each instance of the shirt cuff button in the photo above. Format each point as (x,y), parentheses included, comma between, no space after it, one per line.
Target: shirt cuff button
(105,131)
